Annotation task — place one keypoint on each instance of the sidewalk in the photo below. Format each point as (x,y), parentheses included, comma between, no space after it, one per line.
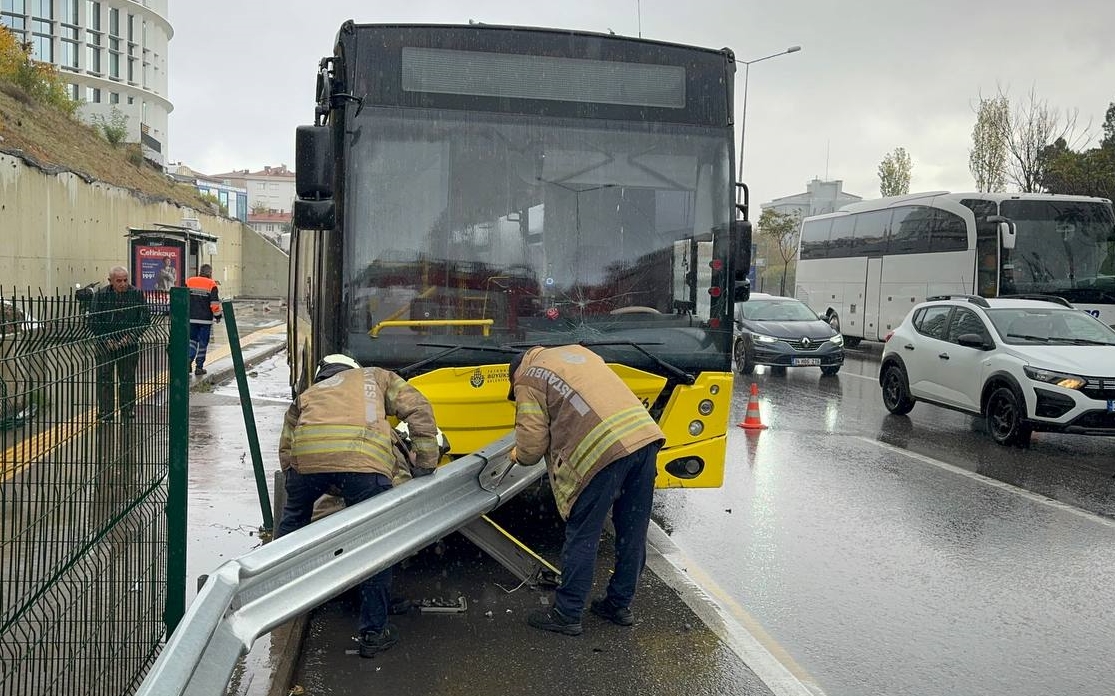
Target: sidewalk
(261,326)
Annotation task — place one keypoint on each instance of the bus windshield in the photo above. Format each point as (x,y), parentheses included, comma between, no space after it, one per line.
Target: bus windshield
(542,230)
(1063,248)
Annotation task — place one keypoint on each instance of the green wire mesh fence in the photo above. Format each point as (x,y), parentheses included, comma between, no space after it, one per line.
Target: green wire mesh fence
(84,442)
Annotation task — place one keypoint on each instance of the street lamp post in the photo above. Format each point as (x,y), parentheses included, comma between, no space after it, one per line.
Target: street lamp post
(743,116)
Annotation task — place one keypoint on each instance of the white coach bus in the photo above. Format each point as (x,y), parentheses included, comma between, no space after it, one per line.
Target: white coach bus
(865,266)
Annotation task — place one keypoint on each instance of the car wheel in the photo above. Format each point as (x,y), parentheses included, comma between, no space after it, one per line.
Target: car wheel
(744,366)
(830,370)
(896,392)
(1006,414)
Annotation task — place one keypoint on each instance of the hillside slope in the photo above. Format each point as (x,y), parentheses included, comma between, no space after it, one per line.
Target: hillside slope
(53,142)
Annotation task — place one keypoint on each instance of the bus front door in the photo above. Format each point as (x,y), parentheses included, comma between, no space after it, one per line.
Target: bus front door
(987,259)
(872,299)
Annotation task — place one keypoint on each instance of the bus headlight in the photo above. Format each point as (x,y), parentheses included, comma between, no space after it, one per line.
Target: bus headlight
(705,407)
(762,338)
(696,428)
(1050,377)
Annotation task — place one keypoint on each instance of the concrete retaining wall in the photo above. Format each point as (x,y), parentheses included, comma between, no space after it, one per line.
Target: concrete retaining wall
(57,230)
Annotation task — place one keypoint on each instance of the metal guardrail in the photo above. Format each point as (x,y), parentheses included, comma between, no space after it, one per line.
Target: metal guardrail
(247,597)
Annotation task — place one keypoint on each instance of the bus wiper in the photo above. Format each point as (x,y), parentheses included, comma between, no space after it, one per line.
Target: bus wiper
(680,374)
(1043,339)
(408,370)
(677,372)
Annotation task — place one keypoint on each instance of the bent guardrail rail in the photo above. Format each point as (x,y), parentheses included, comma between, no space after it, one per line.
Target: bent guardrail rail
(248,596)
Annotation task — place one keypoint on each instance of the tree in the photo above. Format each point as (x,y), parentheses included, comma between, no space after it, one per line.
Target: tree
(1109,128)
(39,81)
(115,128)
(1032,127)
(894,173)
(987,160)
(1086,173)
(782,230)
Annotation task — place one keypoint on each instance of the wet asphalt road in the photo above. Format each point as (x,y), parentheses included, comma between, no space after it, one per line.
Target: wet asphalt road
(908,555)
(873,554)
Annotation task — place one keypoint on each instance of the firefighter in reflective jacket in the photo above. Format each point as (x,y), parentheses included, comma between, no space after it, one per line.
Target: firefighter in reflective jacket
(336,436)
(601,448)
(205,308)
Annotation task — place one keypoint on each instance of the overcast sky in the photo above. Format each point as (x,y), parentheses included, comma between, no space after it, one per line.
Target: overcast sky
(871,75)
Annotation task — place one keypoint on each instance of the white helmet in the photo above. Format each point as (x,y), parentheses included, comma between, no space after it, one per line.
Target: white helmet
(339,361)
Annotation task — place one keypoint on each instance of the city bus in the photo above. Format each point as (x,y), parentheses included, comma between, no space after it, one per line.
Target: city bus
(866,265)
(467,192)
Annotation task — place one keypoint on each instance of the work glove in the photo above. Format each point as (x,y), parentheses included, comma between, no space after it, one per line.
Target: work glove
(418,471)
(514,455)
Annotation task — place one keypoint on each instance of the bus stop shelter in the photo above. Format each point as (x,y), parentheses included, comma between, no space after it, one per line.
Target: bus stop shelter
(163,256)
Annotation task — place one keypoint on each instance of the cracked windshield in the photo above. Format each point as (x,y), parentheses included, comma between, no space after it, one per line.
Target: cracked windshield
(479,229)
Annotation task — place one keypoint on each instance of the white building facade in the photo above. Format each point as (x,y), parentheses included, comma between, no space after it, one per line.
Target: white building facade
(271,189)
(112,54)
(820,197)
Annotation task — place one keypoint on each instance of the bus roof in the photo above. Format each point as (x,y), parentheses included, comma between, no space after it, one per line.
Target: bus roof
(546,30)
(879,203)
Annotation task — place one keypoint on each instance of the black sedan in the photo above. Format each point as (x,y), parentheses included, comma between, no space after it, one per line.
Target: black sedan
(784,332)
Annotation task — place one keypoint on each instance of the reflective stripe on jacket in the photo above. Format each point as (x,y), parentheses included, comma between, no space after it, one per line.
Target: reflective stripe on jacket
(205,303)
(571,408)
(340,424)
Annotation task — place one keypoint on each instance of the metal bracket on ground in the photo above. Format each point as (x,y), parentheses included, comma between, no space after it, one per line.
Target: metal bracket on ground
(511,553)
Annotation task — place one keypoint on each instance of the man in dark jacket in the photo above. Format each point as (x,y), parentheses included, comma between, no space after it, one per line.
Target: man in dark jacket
(601,448)
(118,316)
(336,436)
(205,308)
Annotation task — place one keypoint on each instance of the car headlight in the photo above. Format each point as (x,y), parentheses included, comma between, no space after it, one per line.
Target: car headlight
(761,338)
(1050,377)
(838,339)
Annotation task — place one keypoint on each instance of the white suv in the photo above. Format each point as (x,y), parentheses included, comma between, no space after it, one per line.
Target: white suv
(1024,364)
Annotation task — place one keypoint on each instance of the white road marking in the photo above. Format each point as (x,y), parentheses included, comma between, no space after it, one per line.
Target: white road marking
(873,378)
(994,483)
(740,631)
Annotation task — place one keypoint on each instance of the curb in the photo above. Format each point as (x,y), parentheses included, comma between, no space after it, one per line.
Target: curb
(224,368)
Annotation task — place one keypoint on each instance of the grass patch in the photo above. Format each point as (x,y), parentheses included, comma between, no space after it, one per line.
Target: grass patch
(54,141)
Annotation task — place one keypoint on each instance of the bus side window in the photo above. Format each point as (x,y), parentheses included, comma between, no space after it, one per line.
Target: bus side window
(910,229)
(841,237)
(950,232)
(871,232)
(815,238)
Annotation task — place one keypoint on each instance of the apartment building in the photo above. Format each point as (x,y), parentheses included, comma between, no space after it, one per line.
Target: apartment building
(112,54)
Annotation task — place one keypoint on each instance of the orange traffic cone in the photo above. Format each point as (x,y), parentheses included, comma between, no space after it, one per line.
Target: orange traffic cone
(752,421)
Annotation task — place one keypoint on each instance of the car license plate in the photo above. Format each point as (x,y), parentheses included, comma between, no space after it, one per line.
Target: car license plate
(1111,405)
(805,362)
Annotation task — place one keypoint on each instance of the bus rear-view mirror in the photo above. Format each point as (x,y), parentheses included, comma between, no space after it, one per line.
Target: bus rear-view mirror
(314,215)
(1006,230)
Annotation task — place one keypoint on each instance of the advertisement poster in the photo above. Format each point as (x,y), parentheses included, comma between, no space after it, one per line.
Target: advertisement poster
(158,268)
